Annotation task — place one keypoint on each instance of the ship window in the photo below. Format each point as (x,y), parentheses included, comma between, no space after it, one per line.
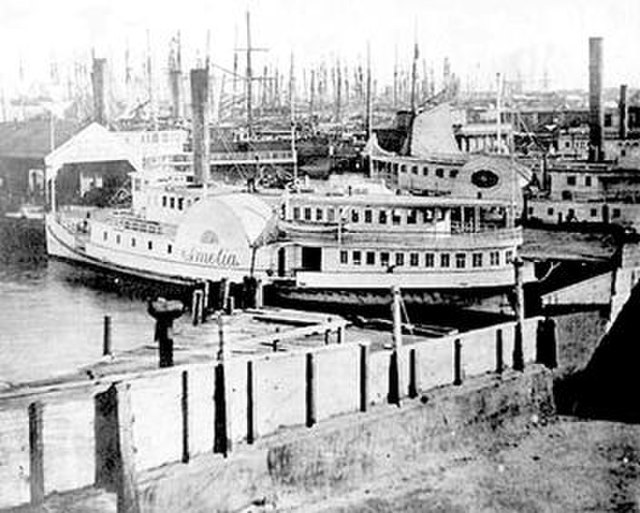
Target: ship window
(164,201)
(571,180)
(403,168)
(357,257)
(105,235)
(508,256)
(494,258)
(414,170)
(169,248)
(318,214)
(118,239)
(429,260)
(172,203)
(549,211)
(150,245)
(445,260)
(461,260)
(414,259)
(355,216)
(615,212)
(331,215)
(307,213)
(396,217)
(133,242)
(477,260)
(399,259)
(384,258)
(296,212)
(180,203)
(453,173)
(439,172)
(371,258)
(425,171)
(382,217)
(594,212)
(427,215)
(395,168)
(368,216)
(344,257)
(412,216)
(587,181)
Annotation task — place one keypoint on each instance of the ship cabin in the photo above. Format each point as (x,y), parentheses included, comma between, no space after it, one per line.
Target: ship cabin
(380,240)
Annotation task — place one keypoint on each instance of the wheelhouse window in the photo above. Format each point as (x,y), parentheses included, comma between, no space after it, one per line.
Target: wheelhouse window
(440,172)
(357,257)
(508,256)
(355,216)
(371,258)
(453,173)
(382,217)
(172,203)
(164,201)
(461,260)
(396,217)
(399,259)
(180,203)
(169,248)
(133,242)
(150,245)
(368,216)
(384,259)
(344,257)
(105,235)
(427,215)
(403,168)
(571,180)
(494,258)
(118,239)
(429,260)
(319,214)
(414,170)
(331,215)
(296,213)
(425,171)
(414,259)
(307,213)
(477,260)
(445,260)
(412,216)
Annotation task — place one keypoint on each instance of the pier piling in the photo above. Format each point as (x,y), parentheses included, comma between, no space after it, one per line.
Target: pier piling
(165,312)
(457,362)
(518,354)
(396,388)
(364,376)
(311,393)
(499,352)
(36,450)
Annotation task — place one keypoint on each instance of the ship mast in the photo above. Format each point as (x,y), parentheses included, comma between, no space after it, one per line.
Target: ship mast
(249,79)
(292,109)
(369,100)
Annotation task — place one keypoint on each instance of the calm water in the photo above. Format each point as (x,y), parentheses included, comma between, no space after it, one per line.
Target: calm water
(51,320)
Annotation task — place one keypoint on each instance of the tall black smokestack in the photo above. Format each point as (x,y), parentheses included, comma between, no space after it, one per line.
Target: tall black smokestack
(199,124)
(98,85)
(622,107)
(596,112)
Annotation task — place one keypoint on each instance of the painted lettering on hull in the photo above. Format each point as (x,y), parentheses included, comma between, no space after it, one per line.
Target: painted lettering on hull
(216,258)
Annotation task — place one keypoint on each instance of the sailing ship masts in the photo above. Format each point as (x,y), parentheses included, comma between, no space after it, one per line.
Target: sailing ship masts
(249,78)
(498,111)
(369,100)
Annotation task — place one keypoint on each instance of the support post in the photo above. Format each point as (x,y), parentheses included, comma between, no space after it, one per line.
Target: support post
(206,298)
(224,293)
(340,335)
(396,387)
(184,403)
(259,294)
(196,306)
(547,348)
(106,338)
(251,403)
(414,386)
(499,352)
(231,305)
(127,481)
(311,395)
(36,452)
(364,376)
(222,435)
(518,353)
(457,362)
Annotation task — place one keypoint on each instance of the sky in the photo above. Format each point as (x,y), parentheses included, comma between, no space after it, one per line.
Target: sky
(480,37)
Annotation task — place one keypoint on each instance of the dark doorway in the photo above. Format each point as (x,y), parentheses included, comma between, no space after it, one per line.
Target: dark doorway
(605,214)
(311,259)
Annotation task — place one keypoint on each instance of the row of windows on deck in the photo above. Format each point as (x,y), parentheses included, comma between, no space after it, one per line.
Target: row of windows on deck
(593,212)
(413,169)
(368,215)
(429,260)
(133,242)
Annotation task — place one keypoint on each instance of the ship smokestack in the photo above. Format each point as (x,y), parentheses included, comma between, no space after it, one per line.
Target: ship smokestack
(622,107)
(98,84)
(199,124)
(596,112)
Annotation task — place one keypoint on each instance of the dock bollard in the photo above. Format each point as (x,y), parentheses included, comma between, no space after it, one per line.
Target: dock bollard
(499,352)
(165,312)
(457,362)
(106,338)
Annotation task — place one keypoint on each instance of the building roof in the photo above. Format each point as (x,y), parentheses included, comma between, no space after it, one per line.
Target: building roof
(32,138)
